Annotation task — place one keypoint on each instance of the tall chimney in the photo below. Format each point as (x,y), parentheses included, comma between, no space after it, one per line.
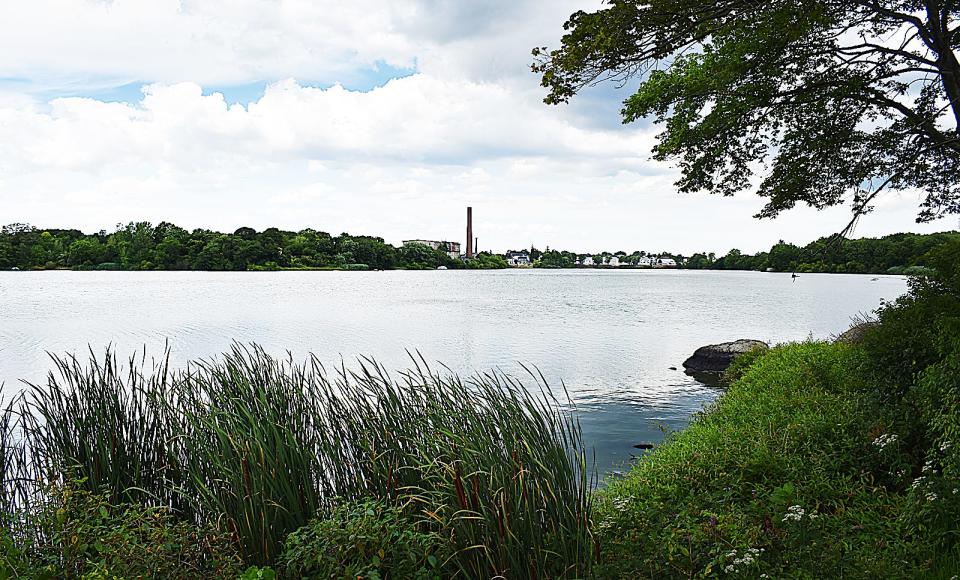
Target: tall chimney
(469,232)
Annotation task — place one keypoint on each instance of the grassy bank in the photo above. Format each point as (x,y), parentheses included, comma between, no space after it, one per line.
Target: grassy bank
(787,475)
(822,460)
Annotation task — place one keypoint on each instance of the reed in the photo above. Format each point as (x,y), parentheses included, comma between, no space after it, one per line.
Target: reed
(261,445)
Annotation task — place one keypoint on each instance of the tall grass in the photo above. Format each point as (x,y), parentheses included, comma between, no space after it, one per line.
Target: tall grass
(261,445)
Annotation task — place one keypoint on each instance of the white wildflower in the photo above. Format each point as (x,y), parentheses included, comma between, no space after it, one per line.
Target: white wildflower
(917,482)
(944,446)
(928,466)
(884,440)
(931,497)
(794,513)
(729,569)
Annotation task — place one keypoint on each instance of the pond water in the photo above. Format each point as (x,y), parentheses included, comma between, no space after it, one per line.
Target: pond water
(609,336)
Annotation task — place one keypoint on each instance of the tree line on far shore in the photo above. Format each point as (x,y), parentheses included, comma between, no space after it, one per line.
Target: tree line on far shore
(903,253)
(143,246)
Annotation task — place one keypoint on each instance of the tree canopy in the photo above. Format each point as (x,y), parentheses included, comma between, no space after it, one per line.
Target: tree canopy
(143,246)
(821,102)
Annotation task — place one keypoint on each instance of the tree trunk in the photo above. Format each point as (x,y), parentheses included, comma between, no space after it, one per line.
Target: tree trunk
(938,25)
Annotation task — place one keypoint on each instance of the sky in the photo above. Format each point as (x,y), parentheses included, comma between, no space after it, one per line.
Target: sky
(370,117)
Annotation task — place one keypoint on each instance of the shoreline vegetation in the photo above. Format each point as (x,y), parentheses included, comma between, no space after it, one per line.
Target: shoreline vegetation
(259,461)
(821,459)
(143,246)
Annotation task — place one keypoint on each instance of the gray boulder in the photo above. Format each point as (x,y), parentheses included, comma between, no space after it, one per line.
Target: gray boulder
(856,332)
(709,362)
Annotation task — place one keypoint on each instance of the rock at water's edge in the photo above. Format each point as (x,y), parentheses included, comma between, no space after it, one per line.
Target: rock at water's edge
(708,362)
(855,334)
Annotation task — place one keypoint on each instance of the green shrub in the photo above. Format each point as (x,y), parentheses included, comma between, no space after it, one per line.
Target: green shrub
(914,361)
(255,573)
(14,560)
(86,536)
(365,540)
(915,331)
(781,477)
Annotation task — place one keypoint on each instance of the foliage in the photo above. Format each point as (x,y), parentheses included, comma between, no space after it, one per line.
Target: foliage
(784,476)
(257,573)
(14,560)
(821,460)
(74,533)
(487,261)
(915,366)
(741,364)
(830,100)
(904,254)
(556,259)
(901,254)
(142,246)
(918,330)
(418,256)
(365,540)
(257,446)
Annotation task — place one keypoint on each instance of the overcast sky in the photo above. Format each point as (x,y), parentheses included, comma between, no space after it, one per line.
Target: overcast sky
(371,117)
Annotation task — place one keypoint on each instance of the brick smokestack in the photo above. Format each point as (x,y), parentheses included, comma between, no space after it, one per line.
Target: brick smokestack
(469,232)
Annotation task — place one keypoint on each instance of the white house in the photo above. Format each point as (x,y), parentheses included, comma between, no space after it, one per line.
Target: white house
(588,261)
(644,262)
(518,258)
(614,261)
(665,263)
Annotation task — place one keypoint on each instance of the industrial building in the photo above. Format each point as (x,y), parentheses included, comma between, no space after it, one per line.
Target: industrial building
(452,249)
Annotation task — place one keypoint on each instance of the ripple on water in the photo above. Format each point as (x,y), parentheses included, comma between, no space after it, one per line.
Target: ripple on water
(609,336)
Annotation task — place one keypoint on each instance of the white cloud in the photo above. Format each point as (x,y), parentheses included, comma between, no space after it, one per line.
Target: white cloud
(222,42)
(401,160)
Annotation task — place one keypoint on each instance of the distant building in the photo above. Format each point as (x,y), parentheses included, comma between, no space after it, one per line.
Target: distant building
(588,261)
(614,261)
(665,263)
(518,258)
(644,262)
(451,248)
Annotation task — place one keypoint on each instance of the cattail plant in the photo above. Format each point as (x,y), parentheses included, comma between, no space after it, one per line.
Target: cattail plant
(260,445)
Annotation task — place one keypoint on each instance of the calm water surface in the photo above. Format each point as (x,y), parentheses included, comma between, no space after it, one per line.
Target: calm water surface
(610,336)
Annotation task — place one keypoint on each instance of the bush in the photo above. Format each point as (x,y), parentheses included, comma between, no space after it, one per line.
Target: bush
(915,363)
(78,534)
(781,477)
(14,562)
(919,329)
(365,540)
